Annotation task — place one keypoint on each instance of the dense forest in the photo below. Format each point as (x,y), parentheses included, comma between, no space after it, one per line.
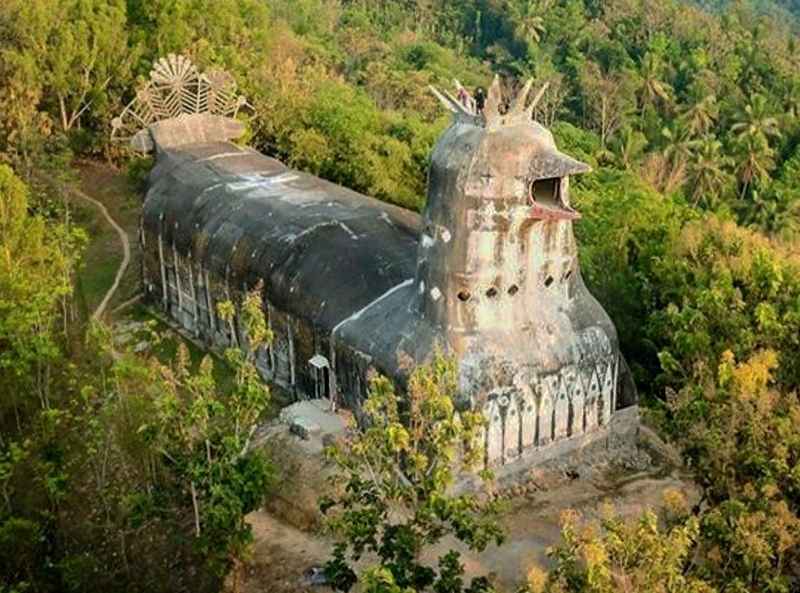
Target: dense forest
(786,10)
(690,238)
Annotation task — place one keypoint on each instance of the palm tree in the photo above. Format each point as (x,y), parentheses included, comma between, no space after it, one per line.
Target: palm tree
(701,116)
(791,98)
(755,160)
(526,14)
(627,149)
(785,192)
(755,120)
(707,171)
(680,145)
(788,223)
(763,212)
(652,89)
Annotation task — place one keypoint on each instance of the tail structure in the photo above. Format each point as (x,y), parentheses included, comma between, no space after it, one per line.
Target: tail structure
(180,105)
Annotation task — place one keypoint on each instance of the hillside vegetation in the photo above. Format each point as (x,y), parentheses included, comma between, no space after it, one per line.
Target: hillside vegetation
(120,471)
(785,10)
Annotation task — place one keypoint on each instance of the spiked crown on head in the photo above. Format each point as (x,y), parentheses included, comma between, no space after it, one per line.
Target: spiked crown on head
(495,113)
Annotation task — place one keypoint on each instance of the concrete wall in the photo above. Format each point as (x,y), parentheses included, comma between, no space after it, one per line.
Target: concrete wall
(546,409)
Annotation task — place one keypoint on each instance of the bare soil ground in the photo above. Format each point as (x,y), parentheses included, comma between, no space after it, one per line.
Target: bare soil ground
(282,552)
(622,476)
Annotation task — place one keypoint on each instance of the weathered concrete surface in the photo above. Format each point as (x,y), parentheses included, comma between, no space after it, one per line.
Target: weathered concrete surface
(313,421)
(490,275)
(497,285)
(218,219)
(186,129)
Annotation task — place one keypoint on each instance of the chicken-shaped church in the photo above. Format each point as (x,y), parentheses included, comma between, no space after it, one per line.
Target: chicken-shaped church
(489,274)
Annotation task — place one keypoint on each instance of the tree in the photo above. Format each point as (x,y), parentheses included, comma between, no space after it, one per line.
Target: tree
(625,557)
(230,33)
(551,105)
(628,149)
(679,145)
(396,476)
(204,442)
(722,287)
(701,115)
(608,100)
(76,48)
(786,196)
(204,439)
(755,121)
(707,172)
(754,160)
(527,18)
(652,90)
(740,434)
(666,170)
(36,263)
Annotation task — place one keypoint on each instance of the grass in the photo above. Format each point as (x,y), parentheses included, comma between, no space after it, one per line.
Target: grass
(166,350)
(104,252)
(165,347)
(102,258)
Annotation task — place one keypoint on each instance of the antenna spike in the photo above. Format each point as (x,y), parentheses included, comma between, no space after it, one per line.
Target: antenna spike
(449,101)
(442,99)
(493,100)
(518,105)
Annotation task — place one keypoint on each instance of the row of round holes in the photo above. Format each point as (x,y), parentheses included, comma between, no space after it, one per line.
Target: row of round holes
(492,292)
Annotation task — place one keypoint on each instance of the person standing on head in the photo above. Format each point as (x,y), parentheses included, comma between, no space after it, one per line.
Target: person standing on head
(480,100)
(463,96)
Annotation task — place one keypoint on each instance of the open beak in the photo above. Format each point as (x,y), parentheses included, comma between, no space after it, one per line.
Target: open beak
(549,203)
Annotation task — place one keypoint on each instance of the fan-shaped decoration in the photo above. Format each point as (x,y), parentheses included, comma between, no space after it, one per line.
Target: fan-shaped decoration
(494,112)
(176,88)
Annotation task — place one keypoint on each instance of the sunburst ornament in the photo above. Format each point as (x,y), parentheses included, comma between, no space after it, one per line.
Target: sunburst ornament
(177,88)
(495,112)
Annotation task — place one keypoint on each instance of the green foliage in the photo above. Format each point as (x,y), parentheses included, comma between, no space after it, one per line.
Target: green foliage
(396,477)
(65,55)
(331,80)
(205,439)
(783,11)
(139,169)
(726,288)
(625,231)
(36,262)
(739,433)
(623,557)
(135,459)
(681,289)
(682,111)
(19,540)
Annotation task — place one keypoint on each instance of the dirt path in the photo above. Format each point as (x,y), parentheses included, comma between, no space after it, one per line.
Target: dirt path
(280,554)
(126,251)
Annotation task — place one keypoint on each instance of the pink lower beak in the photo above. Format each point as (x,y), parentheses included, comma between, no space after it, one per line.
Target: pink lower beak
(547,213)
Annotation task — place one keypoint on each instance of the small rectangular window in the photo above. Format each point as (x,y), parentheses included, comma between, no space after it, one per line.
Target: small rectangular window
(546,192)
